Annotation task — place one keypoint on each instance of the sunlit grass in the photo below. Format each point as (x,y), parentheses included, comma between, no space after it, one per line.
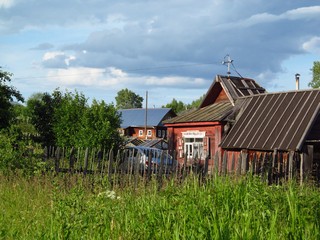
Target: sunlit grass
(73,207)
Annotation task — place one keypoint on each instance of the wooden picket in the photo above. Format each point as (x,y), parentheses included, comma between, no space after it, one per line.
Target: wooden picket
(275,167)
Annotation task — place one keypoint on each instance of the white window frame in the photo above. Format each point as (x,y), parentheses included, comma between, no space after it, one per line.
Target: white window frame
(140,133)
(149,133)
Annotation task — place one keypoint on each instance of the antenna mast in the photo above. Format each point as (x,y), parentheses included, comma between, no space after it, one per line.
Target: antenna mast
(227,61)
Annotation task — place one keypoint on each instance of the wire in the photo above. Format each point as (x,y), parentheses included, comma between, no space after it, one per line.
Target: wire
(234,68)
(129,70)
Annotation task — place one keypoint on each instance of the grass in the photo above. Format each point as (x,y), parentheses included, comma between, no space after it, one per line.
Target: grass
(72,207)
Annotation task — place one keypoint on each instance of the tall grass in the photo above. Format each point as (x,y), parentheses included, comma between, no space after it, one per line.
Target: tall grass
(63,207)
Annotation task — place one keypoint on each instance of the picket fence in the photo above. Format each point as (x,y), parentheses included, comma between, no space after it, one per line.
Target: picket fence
(271,167)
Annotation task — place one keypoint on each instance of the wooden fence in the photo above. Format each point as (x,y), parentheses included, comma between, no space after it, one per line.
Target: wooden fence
(273,167)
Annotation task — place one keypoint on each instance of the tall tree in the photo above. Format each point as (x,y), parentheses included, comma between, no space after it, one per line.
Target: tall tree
(7,95)
(68,116)
(315,83)
(126,99)
(100,125)
(41,107)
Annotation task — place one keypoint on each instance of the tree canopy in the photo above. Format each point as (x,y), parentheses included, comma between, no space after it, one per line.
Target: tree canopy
(179,106)
(7,95)
(176,106)
(315,83)
(126,99)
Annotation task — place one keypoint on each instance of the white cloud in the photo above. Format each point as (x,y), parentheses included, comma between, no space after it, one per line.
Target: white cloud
(6,3)
(312,45)
(51,55)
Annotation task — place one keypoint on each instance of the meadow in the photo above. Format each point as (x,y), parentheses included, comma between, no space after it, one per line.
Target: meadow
(76,207)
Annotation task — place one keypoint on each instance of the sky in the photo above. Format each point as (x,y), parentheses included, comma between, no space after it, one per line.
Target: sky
(168,48)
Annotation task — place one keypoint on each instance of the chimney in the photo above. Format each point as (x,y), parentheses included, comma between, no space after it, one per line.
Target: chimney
(297,80)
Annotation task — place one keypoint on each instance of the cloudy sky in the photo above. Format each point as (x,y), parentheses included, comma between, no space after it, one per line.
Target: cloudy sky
(170,48)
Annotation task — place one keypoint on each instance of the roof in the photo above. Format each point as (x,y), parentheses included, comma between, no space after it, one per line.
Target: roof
(234,88)
(211,113)
(155,143)
(136,117)
(274,121)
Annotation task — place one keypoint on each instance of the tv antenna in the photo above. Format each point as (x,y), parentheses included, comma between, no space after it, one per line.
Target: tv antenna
(227,61)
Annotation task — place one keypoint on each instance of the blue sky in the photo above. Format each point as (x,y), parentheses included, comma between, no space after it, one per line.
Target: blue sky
(170,48)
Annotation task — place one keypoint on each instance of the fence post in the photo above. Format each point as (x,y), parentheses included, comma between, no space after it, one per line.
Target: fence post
(160,172)
(57,160)
(245,161)
(216,162)
(238,171)
(308,160)
(110,168)
(86,159)
(206,167)
(224,163)
(301,167)
(291,154)
(274,173)
(232,163)
(71,160)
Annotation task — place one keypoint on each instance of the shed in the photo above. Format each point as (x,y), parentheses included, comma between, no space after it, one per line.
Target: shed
(284,121)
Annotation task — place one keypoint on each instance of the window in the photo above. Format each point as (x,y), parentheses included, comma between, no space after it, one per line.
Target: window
(194,148)
(159,133)
(140,133)
(149,133)
(164,133)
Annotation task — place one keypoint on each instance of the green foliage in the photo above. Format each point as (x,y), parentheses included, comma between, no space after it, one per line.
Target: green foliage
(41,107)
(7,95)
(315,83)
(126,99)
(179,106)
(176,106)
(16,154)
(196,103)
(68,119)
(100,123)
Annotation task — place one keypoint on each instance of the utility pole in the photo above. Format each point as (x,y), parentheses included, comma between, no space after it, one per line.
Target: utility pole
(146,116)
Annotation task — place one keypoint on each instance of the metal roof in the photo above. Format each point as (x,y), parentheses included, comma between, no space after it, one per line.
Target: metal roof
(274,121)
(136,117)
(234,87)
(211,113)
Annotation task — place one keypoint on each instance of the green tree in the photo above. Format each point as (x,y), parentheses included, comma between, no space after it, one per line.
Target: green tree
(68,116)
(7,95)
(315,83)
(126,99)
(196,103)
(100,124)
(176,106)
(41,108)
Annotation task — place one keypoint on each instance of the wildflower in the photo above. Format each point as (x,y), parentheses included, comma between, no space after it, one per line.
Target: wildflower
(108,194)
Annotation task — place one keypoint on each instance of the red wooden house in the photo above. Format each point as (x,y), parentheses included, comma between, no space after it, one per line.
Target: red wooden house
(197,134)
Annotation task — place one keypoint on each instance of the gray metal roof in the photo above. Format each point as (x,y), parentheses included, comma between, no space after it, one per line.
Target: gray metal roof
(211,113)
(136,117)
(274,121)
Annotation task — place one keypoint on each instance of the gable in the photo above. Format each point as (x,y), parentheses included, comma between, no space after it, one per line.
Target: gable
(230,88)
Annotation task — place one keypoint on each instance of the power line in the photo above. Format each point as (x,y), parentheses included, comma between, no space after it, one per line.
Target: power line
(129,70)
